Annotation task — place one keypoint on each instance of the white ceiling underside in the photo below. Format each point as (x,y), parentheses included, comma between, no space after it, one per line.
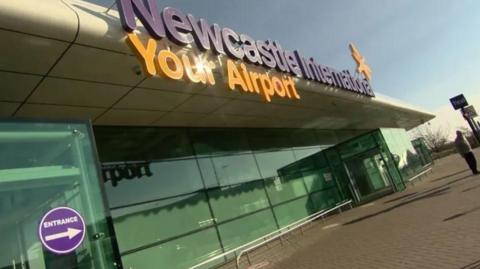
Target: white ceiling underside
(54,67)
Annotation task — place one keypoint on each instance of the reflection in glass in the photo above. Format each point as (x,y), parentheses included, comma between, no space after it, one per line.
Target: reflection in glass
(235,169)
(217,141)
(285,188)
(44,166)
(168,178)
(179,253)
(150,223)
(213,185)
(238,200)
(292,211)
(245,229)
(271,162)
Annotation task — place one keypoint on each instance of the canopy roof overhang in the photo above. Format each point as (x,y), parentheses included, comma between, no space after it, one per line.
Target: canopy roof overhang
(71,61)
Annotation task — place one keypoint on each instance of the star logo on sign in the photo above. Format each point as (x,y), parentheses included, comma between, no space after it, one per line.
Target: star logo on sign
(362,67)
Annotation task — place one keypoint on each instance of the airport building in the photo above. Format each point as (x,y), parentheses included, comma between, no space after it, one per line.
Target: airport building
(142,137)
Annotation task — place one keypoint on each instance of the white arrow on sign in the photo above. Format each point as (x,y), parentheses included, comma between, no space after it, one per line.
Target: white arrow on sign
(70,233)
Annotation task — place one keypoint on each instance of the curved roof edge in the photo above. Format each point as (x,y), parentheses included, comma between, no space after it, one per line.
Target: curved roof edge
(91,25)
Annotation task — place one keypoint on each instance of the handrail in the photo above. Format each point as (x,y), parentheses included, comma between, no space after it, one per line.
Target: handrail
(324,212)
(278,233)
(421,173)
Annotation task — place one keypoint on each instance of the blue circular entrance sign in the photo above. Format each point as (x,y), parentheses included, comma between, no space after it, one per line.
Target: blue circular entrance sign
(62,230)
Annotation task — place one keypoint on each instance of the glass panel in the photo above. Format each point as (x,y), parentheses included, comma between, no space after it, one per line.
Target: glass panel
(238,200)
(166,178)
(235,169)
(138,226)
(389,162)
(269,139)
(407,159)
(180,253)
(213,141)
(422,149)
(373,173)
(141,143)
(238,232)
(305,152)
(339,173)
(383,169)
(359,178)
(365,172)
(46,167)
(208,172)
(271,162)
(318,179)
(284,189)
(393,172)
(325,199)
(356,146)
(292,211)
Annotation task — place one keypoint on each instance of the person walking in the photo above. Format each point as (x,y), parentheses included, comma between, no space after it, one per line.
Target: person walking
(464,148)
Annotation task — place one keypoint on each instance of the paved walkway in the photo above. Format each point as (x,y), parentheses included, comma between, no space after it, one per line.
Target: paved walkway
(434,224)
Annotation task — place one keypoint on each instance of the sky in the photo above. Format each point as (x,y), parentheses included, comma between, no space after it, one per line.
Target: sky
(447,121)
(421,52)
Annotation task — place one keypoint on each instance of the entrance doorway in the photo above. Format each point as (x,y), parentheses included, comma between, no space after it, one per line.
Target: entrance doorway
(46,167)
(369,175)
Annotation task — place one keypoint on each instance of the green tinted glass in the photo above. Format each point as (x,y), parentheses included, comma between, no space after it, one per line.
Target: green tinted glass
(325,199)
(45,166)
(282,189)
(271,162)
(179,253)
(318,179)
(141,143)
(141,225)
(357,145)
(240,231)
(213,141)
(234,169)
(292,211)
(238,200)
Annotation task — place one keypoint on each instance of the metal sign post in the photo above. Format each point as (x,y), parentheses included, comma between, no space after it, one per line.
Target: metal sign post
(468,113)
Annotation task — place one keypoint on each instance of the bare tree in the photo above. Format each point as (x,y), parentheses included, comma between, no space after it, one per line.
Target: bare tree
(435,138)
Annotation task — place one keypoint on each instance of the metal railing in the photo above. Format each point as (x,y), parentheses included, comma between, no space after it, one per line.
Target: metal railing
(252,245)
(421,174)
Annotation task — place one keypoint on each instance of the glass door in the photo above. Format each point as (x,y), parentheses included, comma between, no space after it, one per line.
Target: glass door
(52,209)
(368,174)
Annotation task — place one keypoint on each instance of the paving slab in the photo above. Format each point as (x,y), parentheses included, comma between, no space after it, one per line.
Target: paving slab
(435,223)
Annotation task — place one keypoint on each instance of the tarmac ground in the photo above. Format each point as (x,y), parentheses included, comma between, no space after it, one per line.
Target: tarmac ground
(435,223)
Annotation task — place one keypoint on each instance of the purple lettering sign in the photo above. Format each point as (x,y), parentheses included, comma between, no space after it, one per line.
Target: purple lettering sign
(62,230)
(184,29)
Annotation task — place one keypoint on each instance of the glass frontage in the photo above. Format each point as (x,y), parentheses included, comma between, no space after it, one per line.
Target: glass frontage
(364,167)
(423,151)
(45,167)
(410,158)
(369,173)
(179,196)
